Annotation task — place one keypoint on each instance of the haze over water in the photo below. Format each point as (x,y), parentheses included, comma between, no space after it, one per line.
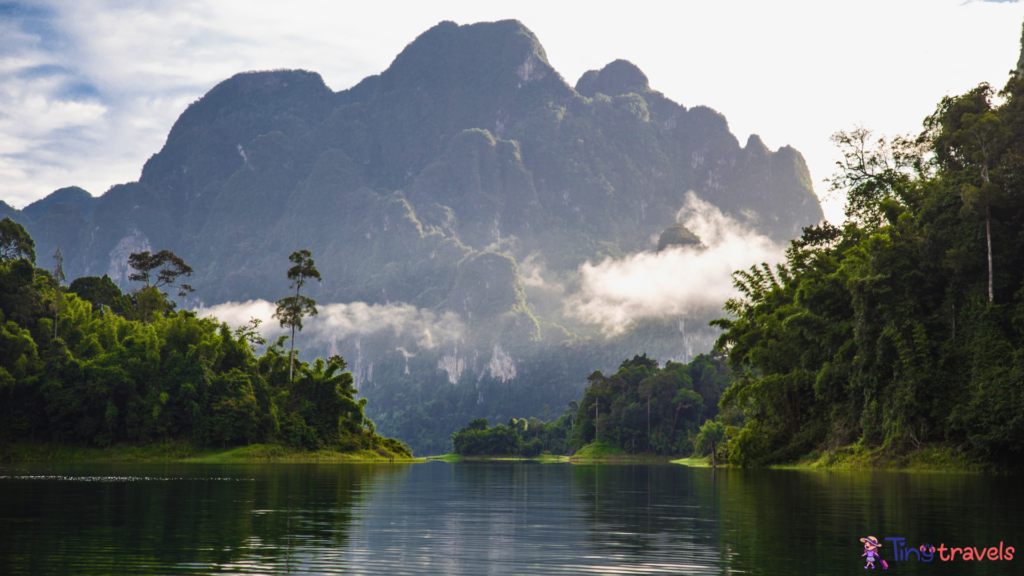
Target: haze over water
(494,518)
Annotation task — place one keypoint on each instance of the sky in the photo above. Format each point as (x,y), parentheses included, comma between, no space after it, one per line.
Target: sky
(89,89)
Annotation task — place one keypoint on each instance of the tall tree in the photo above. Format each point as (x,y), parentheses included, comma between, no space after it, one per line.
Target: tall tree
(15,242)
(250,334)
(875,175)
(169,267)
(292,309)
(58,276)
(969,135)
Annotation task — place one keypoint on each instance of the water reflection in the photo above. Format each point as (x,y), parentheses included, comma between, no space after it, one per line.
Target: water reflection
(657,515)
(785,521)
(494,518)
(174,518)
(510,518)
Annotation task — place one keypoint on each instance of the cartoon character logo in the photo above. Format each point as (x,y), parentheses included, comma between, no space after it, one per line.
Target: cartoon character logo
(871,547)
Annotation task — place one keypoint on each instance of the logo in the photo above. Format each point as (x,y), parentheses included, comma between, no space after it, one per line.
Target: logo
(871,546)
(926,552)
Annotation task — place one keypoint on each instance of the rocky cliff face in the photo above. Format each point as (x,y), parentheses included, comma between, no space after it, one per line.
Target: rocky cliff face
(428,185)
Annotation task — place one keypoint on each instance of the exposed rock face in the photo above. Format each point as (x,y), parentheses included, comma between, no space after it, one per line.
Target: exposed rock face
(491,147)
(133,243)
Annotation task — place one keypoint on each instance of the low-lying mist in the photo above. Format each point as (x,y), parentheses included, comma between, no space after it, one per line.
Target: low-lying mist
(678,281)
(427,372)
(612,295)
(336,322)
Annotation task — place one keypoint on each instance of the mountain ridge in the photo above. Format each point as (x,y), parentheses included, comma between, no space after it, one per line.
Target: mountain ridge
(429,184)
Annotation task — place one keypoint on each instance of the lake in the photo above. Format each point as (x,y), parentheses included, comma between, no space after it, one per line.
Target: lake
(491,518)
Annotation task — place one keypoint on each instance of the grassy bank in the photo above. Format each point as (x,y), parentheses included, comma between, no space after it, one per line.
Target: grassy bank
(607,453)
(543,459)
(185,452)
(930,458)
(697,462)
(599,453)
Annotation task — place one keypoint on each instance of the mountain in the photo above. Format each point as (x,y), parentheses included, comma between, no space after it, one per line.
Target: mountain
(72,196)
(422,192)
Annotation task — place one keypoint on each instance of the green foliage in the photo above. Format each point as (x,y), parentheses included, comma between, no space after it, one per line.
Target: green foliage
(103,292)
(15,242)
(677,395)
(499,440)
(644,409)
(291,309)
(887,333)
(107,379)
(169,267)
(520,437)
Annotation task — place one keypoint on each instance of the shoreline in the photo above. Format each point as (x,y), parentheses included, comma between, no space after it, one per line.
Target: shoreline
(930,458)
(453,458)
(933,458)
(17,453)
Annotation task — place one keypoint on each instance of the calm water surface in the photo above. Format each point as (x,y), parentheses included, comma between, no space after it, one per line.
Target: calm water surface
(493,518)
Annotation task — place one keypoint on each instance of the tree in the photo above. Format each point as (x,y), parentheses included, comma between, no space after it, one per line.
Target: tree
(646,390)
(875,175)
(58,276)
(967,130)
(570,411)
(103,292)
(684,398)
(291,309)
(250,333)
(712,433)
(171,267)
(324,395)
(15,242)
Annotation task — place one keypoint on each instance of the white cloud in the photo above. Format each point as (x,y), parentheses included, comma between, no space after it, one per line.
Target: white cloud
(340,321)
(237,314)
(530,270)
(674,282)
(337,322)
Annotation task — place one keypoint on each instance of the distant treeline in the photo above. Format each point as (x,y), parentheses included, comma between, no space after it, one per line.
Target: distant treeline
(115,370)
(640,409)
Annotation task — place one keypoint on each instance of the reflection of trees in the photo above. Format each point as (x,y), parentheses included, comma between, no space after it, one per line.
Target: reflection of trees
(503,518)
(198,518)
(512,518)
(644,510)
(801,522)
